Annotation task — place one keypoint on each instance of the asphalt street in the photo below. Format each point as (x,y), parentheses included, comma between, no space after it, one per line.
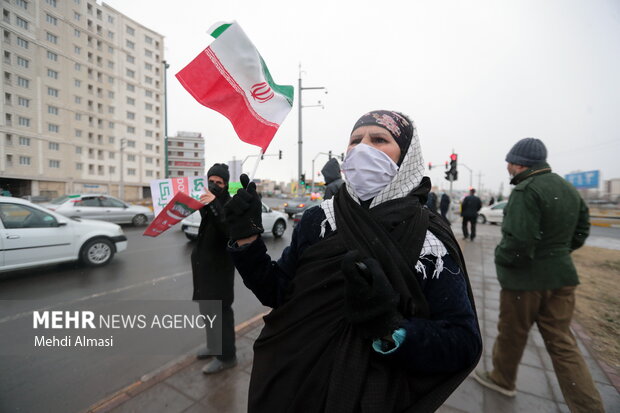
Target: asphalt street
(151,269)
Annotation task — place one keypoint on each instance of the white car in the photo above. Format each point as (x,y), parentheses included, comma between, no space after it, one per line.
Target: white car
(100,207)
(493,214)
(31,236)
(272,220)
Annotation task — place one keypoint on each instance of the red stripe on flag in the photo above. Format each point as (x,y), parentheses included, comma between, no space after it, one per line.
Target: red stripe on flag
(210,87)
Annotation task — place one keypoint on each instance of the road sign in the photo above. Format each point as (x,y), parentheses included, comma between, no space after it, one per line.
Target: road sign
(582,180)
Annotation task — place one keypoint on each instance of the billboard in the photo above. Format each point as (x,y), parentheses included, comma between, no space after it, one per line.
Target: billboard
(583,180)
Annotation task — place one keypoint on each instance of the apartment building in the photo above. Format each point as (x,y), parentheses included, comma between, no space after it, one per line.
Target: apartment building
(79,79)
(186,154)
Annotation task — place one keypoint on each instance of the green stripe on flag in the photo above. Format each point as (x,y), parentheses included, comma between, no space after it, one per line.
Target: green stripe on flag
(220,29)
(285,90)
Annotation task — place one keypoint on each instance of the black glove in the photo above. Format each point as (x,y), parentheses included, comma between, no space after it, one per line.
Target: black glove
(370,301)
(243,211)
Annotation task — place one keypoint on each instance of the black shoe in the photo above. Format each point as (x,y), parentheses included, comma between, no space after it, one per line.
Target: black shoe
(204,353)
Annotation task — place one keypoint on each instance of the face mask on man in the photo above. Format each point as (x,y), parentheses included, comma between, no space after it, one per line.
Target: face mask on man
(368,170)
(215,189)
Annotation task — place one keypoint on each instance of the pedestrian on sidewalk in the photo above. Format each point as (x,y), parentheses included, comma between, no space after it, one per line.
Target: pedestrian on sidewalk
(213,270)
(431,202)
(333,179)
(372,307)
(544,221)
(469,211)
(444,206)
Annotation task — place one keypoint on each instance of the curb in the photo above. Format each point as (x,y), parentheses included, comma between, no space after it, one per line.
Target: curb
(150,379)
(612,374)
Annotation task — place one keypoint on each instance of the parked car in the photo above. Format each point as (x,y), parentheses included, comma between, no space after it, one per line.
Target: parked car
(100,207)
(31,235)
(272,220)
(299,205)
(493,214)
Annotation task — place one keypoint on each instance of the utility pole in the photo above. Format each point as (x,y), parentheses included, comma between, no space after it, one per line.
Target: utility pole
(166,66)
(480,181)
(300,106)
(121,188)
(470,174)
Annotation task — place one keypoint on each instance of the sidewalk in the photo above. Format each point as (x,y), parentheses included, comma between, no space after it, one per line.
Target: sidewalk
(181,386)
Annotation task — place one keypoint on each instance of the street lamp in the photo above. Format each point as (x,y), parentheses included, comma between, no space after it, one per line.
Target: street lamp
(166,66)
(121,188)
(300,107)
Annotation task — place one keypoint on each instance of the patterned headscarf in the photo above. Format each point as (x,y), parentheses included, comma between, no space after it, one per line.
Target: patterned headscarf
(399,126)
(408,177)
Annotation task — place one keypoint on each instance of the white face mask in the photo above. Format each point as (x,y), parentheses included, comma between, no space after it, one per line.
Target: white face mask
(368,170)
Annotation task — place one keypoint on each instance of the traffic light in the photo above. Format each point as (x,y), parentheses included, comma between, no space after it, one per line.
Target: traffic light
(452,173)
(329,155)
(302,179)
(280,154)
(430,166)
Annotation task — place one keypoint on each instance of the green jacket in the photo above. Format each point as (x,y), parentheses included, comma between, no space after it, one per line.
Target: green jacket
(544,221)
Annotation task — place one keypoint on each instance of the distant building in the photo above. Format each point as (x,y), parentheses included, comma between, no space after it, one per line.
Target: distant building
(186,154)
(78,77)
(612,189)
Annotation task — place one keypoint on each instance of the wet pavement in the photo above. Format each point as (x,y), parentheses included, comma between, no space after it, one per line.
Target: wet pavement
(181,387)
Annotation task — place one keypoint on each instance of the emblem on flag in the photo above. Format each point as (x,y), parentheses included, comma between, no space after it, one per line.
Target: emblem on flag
(261,92)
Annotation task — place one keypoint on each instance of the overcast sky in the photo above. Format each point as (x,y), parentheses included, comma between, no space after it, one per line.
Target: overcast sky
(475,76)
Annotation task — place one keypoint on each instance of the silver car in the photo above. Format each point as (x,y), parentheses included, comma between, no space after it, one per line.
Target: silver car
(100,207)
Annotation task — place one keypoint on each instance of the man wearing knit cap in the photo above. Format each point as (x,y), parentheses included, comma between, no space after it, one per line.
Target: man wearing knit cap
(213,270)
(544,221)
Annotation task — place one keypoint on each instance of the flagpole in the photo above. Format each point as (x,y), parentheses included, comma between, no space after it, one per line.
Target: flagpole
(258,158)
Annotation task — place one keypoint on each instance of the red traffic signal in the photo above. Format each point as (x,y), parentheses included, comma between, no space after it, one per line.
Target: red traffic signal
(453,157)
(430,166)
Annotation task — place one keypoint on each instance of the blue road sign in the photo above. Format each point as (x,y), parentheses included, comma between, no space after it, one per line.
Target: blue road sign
(588,179)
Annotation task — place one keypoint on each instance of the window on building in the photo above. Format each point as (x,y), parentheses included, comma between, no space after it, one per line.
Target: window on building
(22,3)
(23,141)
(131,115)
(52,92)
(76,16)
(131,157)
(52,110)
(23,102)
(111,169)
(110,19)
(24,160)
(77,82)
(23,82)
(131,129)
(52,56)
(9,139)
(110,94)
(131,59)
(53,146)
(130,30)
(79,166)
(7,99)
(148,93)
(110,109)
(77,67)
(148,66)
(52,73)
(77,99)
(22,42)
(23,23)
(148,80)
(148,159)
(148,53)
(78,133)
(130,87)
(53,128)
(148,133)
(78,116)
(149,172)
(54,163)
(51,19)
(130,73)
(131,101)
(52,38)
(148,146)
(77,50)
(51,2)
(148,119)
(131,171)
(130,44)
(148,106)
(77,32)
(23,62)
(78,149)
(111,155)
(23,121)
(7,57)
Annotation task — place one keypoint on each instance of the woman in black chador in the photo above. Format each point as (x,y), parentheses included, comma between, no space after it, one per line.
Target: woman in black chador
(372,307)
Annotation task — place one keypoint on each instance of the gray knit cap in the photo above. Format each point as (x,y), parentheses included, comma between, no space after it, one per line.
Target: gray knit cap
(527,152)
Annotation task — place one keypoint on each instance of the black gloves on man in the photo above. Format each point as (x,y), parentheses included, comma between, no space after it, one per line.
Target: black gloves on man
(243,211)
(370,301)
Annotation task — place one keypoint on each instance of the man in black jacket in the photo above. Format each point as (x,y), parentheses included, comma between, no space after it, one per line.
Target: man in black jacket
(333,179)
(444,206)
(469,211)
(213,270)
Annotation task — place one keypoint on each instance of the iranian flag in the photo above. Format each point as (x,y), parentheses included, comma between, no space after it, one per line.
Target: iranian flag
(231,77)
